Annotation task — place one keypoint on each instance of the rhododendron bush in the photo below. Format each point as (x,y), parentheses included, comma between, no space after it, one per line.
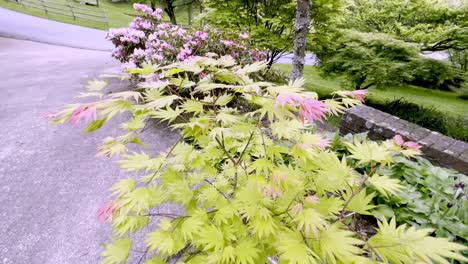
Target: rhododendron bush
(147,39)
(250,179)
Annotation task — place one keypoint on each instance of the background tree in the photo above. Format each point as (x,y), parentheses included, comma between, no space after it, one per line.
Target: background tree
(301,28)
(376,59)
(425,25)
(268,22)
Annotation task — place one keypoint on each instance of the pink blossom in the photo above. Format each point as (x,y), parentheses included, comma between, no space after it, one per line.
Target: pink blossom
(51,116)
(202,75)
(157,14)
(288,98)
(357,94)
(105,212)
(312,110)
(84,112)
(165,46)
(272,192)
(312,199)
(297,209)
(322,143)
(243,36)
(142,8)
(304,146)
(228,43)
(202,35)
(279,177)
(179,32)
(139,53)
(184,54)
(397,139)
(412,145)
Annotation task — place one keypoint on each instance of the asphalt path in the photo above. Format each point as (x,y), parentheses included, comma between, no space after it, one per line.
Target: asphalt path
(51,183)
(21,26)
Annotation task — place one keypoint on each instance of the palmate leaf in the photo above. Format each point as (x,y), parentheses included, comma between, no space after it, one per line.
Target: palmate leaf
(336,244)
(254,67)
(139,161)
(111,147)
(293,250)
(287,129)
(210,237)
(95,85)
(359,203)
(126,95)
(224,99)
(192,106)
(116,252)
(169,114)
(385,185)
(332,172)
(368,151)
(408,245)
(310,221)
(124,224)
(161,102)
(95,125)
(123,186)
(155,260)
(335,107)
(114,107)
(165,242)
(246,252)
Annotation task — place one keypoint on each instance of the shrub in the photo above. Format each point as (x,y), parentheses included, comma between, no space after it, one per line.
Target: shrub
(148,40)
(428,117)
(376,59)
(252,184)
(434,197)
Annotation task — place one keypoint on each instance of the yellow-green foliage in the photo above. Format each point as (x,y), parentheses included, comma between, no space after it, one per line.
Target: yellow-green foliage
(255,184)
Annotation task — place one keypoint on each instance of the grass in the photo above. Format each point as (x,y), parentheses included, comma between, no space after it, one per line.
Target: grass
(119,14)
(446,102)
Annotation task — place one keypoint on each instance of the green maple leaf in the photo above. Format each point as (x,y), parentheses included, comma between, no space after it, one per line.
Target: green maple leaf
(116,252)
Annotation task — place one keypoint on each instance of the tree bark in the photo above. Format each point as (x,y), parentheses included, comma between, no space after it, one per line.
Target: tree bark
(301,28)
(169,8)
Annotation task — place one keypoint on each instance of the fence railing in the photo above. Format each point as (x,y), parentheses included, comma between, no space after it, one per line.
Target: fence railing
(66,8)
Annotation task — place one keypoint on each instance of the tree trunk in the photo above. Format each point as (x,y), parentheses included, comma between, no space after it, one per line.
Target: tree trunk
(169,8)
(189,12)
(153,4)
(301,28)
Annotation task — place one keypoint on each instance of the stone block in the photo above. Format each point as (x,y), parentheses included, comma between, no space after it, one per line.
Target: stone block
(380,126)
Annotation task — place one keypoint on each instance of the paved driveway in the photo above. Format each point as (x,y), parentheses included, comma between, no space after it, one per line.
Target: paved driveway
(51,184)
(21,26)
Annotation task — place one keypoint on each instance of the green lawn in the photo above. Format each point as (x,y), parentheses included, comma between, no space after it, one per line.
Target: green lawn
(447,102)
(119,14)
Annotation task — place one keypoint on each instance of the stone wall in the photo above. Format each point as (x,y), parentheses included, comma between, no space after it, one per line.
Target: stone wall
(441,149)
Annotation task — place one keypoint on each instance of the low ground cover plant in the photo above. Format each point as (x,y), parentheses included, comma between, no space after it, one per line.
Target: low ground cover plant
(250,179)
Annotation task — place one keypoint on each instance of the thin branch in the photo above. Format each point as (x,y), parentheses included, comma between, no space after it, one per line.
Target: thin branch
(165,158)
(143,256)
(223,194)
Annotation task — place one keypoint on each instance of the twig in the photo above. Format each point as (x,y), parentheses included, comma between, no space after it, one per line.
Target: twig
(165,158)
(223,194)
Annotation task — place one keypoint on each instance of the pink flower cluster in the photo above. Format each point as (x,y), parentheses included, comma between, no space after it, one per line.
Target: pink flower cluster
(147,39)
(398,140)
(357,94)
(309,109)
(106,211)
(84,112)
